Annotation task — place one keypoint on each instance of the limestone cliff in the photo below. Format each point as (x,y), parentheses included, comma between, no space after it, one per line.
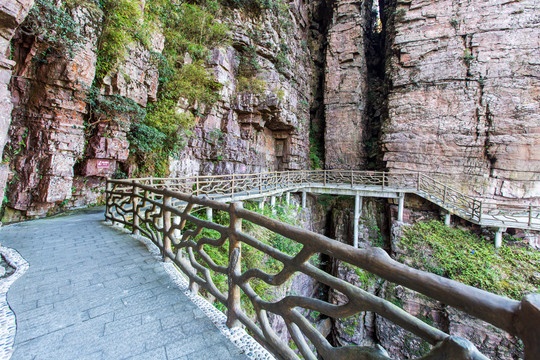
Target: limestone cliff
(72,123)
(463,98)
(12,14)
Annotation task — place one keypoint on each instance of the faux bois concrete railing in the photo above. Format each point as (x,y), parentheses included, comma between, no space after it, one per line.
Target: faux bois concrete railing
(349,182)
(151,208)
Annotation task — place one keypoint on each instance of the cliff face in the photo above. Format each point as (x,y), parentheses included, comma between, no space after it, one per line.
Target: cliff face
(346,85)
(12,14)
(464,97)
(62,144)
(458,97)
(264,130)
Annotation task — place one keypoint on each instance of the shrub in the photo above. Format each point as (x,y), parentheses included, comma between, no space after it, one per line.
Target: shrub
(55,26)
(463,256)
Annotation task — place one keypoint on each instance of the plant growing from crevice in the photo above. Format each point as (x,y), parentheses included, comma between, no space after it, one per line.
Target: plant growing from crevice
(121,24)
(55,26)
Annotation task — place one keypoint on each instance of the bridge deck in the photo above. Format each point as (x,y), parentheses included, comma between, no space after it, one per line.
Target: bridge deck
(92,292)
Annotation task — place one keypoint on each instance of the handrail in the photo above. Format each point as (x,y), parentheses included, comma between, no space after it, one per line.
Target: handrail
(473,209)
(148,210)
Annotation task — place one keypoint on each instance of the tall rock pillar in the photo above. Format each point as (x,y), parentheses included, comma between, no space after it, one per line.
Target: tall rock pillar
(346,86)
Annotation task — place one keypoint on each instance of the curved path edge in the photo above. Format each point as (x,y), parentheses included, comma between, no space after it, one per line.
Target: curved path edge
(8,325)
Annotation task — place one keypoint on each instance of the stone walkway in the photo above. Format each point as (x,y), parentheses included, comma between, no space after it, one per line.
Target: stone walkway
(94,292)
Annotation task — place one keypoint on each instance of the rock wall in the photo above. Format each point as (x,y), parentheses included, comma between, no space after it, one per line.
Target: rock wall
(464,95)
(255,132)
(12,14)
(61,150)
(346,85)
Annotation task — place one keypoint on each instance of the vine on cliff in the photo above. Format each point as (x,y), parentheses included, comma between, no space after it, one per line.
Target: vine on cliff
(55,26)
(121,25)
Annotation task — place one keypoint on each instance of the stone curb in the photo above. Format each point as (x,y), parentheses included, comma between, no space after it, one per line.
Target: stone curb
(8,326)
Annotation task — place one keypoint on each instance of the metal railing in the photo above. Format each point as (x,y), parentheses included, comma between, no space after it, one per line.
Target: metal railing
(148,209)
(473,209)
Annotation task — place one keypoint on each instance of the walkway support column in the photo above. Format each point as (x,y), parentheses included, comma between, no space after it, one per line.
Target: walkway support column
(304,194)
(209,214)
(358,202)
(273,204)
(261,204)
(498,237)
(288,198)
(447,219)
(401,206)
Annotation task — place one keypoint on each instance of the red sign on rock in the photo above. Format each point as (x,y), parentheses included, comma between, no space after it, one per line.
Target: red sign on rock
(103,164)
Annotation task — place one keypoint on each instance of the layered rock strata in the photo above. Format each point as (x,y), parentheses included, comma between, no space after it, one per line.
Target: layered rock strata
(464,94)
(12,14)
(346,85)
(257,131)
(62,150)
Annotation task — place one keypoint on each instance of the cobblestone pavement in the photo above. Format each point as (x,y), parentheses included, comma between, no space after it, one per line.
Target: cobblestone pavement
(94,292)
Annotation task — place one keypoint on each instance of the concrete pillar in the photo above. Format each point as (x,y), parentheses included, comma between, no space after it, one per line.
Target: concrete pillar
(273,204)
(498,237)
(209,214)
(358,200)
(261,204)
(447,219)
(304,194)
(400,207)
(288,198)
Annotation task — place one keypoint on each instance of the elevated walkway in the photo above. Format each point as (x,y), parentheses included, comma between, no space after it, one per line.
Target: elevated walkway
(238,187)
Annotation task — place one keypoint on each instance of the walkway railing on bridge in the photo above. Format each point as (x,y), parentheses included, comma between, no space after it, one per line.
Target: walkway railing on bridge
(146,206)
(242,186)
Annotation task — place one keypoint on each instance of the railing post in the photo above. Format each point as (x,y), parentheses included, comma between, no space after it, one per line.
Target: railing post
(166,227)
(352,178)
(324,181)
(383,179)
(288,179)
(197,185)
(444,195)
(480,209)
(232,188)
(135,208)
(108,199)
(234,269)
(418,181)
(527,320)
(530,215)
(260,182)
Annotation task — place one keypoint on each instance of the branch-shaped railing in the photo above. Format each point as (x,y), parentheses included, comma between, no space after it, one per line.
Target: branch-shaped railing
(242,186)
(148,210)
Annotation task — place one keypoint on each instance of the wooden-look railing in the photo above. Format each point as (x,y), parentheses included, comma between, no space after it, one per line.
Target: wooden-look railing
(241,186)
(148,209)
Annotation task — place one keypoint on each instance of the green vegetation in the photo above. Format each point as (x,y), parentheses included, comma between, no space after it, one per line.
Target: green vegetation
(55,26)
(463,256)
(113,107)
(316,151)
(190,30)
(251,257)
(121,25)
(251,85)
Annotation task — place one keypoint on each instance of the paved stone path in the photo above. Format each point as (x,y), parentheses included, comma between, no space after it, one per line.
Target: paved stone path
(94,292)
